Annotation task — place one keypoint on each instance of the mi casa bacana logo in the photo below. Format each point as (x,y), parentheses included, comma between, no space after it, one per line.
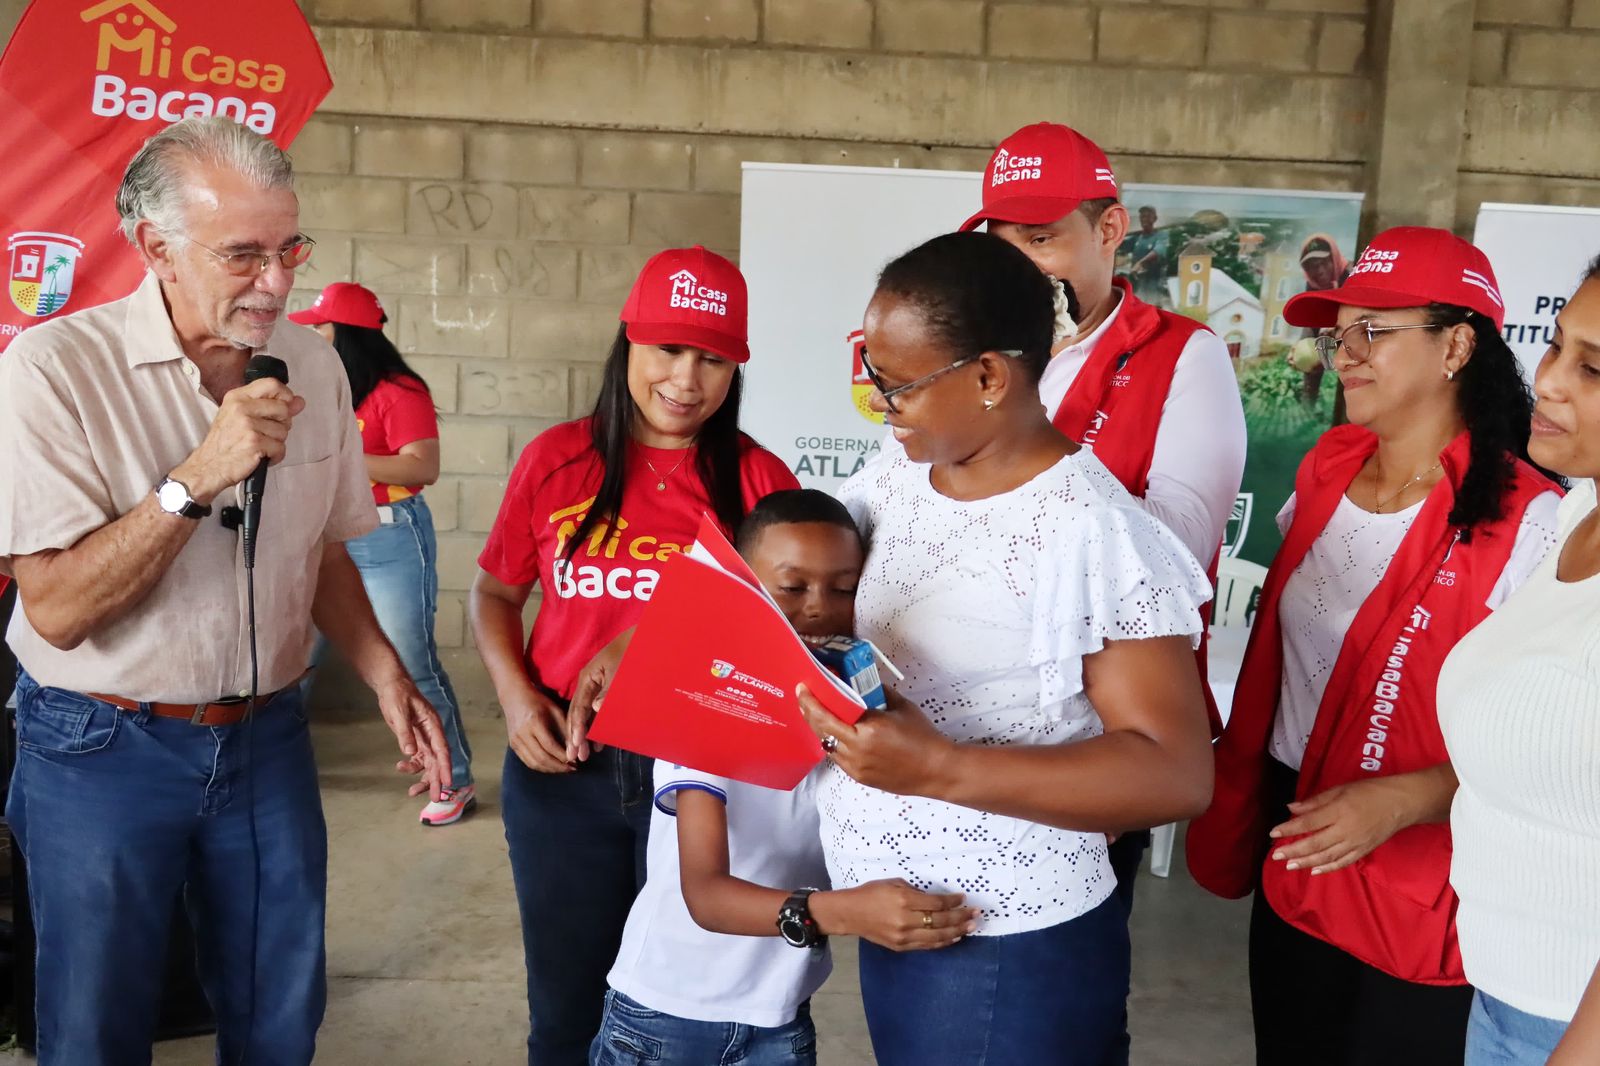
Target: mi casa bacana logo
(1008,168)
(687,292)
(613,562)
(137,44)
(42,269)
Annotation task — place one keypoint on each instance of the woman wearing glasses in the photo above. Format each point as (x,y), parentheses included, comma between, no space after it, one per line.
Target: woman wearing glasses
(398,560)
(1046,627)
(1406,529)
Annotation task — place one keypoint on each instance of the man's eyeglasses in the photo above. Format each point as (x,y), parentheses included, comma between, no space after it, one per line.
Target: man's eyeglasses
(889,394)
(1357,340)
(253,264)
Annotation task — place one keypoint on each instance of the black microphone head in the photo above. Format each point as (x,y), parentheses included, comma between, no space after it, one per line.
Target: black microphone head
(266,366)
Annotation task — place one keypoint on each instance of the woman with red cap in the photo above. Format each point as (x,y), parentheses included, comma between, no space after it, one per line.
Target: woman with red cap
(1333,784)
(398,560)
(593,508)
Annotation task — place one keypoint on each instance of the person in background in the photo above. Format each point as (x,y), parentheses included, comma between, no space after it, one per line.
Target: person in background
(1325,267)
(1148,254)
(593,508)
(398,560)
(702,972)
(1519,705)
(1406,528)
(1046,627)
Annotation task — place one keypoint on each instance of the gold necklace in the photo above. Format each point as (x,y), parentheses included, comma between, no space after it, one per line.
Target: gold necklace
(1378,507)
(661,479)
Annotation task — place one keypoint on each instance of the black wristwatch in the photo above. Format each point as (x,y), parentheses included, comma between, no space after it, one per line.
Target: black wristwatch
(795,923)
(175,498)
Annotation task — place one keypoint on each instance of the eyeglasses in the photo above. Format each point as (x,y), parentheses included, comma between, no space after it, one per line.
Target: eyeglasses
(254,264)
(1358,345)
(889,394)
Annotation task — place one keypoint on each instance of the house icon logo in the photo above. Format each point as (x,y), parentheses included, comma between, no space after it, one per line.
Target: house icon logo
(720,669)
(141,25)
(684,283)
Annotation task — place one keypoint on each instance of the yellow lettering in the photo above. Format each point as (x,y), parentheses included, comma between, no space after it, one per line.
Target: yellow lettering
(221,71)
(272,78)
(188,62)
(577,510)
(247,78)
(641,547)
(668,550)
(143,42)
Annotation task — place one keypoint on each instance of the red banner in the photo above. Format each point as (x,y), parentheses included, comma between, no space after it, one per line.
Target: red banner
(83,84)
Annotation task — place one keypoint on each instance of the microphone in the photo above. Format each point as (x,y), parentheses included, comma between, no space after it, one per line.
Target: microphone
(255,486)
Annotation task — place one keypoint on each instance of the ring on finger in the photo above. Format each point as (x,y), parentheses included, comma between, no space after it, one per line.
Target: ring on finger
(927,919)
(830,744)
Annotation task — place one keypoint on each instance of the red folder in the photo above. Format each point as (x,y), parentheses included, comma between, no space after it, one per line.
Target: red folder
(709,678)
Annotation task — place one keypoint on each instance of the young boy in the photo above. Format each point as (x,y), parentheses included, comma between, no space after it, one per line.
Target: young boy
(684,992)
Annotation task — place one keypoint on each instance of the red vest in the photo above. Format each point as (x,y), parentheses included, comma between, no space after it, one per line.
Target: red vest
(1114,406)
(1394,909)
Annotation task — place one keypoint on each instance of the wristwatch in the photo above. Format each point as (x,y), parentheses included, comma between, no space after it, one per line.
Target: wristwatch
(795,923)
(174,498)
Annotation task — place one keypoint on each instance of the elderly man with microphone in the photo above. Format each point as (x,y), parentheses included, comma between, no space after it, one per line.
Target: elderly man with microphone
(162,743)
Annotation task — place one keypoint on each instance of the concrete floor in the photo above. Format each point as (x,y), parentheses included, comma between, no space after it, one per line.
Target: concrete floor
(425,961)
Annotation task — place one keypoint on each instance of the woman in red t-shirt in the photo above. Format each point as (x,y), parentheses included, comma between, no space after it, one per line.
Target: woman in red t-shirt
(400,435)
(593,509)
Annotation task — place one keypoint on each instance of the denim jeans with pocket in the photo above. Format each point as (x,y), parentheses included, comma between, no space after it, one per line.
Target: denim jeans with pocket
(1499,1034)
(119,812)
(632,1034)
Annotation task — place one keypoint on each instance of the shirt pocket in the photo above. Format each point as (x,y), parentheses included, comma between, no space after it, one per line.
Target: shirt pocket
(298,502)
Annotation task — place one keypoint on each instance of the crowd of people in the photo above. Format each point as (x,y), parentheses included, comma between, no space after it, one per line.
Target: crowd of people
(1406,783)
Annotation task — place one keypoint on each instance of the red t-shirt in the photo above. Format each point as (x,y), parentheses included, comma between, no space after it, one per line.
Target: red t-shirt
(397,412)
(602,589)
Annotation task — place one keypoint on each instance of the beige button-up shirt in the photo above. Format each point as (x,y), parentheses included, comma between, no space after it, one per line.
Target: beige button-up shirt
(96,408)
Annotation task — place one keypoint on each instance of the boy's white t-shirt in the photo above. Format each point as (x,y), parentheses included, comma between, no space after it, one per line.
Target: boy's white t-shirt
(669,964)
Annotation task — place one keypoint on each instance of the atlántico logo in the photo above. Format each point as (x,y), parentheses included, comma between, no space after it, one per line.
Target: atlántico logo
(720,669)
(861,385)
(43,266)
(687,292)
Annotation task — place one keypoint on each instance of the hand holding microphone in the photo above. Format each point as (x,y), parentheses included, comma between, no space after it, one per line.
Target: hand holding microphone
(248,434)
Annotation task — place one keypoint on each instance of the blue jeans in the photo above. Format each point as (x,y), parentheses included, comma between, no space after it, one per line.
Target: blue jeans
(399,567)
(577,844)
(1052,997)
(631,1033)
(119,812)
(1499,1034)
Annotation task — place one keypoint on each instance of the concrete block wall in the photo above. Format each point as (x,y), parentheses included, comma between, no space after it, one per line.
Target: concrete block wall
(499,169)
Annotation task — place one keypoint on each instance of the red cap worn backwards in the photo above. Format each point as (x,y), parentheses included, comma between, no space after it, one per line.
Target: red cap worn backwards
(346,303)
(1040,174)
(690,297)
(1407,266)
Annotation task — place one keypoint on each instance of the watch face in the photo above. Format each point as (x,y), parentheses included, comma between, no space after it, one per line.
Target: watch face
(793,930)
(172,496)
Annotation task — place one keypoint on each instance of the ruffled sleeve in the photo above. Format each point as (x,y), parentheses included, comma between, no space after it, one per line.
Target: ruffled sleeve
(1117,574)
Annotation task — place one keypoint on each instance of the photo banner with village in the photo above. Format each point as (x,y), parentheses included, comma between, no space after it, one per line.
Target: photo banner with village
(1230,258)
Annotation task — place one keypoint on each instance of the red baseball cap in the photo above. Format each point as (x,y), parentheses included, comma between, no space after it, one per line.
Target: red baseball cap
(692,297)
(1041,173)
(346,303)
(1407,266)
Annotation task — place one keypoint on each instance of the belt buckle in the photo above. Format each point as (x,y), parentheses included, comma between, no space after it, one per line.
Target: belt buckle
(199,715)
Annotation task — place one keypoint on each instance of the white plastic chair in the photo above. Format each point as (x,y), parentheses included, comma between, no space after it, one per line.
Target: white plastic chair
(1239,584)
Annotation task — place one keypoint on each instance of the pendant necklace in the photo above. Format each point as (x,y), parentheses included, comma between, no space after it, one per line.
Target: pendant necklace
(661,479)
(1378,507)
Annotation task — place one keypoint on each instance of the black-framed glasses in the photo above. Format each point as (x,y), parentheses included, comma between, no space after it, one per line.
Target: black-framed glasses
(254,264)
(1357,340)
(889,394)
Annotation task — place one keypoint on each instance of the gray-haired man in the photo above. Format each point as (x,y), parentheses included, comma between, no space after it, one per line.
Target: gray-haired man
(124,429)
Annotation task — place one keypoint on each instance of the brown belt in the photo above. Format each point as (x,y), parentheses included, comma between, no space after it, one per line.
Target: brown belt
(230,711)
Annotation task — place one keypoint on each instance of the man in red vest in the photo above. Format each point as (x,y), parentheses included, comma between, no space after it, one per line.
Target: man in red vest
(1151,392)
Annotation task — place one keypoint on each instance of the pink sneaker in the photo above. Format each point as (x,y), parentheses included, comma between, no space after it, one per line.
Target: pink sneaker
(452,808)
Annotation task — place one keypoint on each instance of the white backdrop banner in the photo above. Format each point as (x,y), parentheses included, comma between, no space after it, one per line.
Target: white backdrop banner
(812,241)
(1538,255)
